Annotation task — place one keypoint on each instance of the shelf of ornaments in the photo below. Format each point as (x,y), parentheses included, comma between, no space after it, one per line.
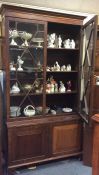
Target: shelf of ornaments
(29,72)
(57,68)
(39,116)
(23,78)
(72,71)
(43,115)
(60,114)
(19,47)
(62,48)
(26,94)
(29,93)
(19,67)
(62,93)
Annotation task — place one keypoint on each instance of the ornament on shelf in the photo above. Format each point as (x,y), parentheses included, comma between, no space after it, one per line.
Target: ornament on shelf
(53,112)
(20,62)
(68,67)
(62,88)
(68,86)
(56,66)
(37,86)
(26,36)
(67,44)
(63,68)
(48,88)
(97,80)
(59,41)
(52,88)
(51,40)
(65,109)
(51,85)
(72,44)
(48,69)
(12,68)
(56,87)
(15,88)
(13,34)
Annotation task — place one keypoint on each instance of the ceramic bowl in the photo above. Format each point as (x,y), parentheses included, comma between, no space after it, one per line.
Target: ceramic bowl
(39,109)
(67,110)
(15,111)
(47,110)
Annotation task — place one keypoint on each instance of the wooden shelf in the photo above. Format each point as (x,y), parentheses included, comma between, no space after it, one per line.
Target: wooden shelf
(25,94)
(21,48)
(72,71)
(60,93)
(65,49)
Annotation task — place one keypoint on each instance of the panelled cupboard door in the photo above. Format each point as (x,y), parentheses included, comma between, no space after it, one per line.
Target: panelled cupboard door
(88,43)
(66,138)
(27,143)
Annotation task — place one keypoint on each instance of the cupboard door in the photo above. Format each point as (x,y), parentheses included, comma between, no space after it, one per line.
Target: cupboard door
(25,63)
(66,139)
(87,69)
(27,143)
(96,78)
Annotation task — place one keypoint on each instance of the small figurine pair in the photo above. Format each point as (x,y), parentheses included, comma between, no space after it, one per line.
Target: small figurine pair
(62,88)
(69,44)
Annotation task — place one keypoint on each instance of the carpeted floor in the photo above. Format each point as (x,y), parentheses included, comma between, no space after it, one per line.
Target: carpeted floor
(64,167)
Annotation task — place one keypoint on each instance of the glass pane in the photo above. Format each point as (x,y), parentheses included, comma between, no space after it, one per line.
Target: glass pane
(26,55)
(86,70)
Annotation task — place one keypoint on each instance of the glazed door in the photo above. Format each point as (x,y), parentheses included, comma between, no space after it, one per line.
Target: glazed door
(87,68)
(25,68)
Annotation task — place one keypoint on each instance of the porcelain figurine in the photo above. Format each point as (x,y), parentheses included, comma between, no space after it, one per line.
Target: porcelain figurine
(68,85)
(72,44)
(48,88)
(52,88)
(48,69)
(67,43)
(63,68)
(51,40)
(56,66)
(20,62)
(15,88)
(52,68)
(62,88)
(37,86)
(68,67)
(56,87)
(59,41)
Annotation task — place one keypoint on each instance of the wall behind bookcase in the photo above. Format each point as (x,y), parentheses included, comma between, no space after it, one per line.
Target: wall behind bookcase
(77,5)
